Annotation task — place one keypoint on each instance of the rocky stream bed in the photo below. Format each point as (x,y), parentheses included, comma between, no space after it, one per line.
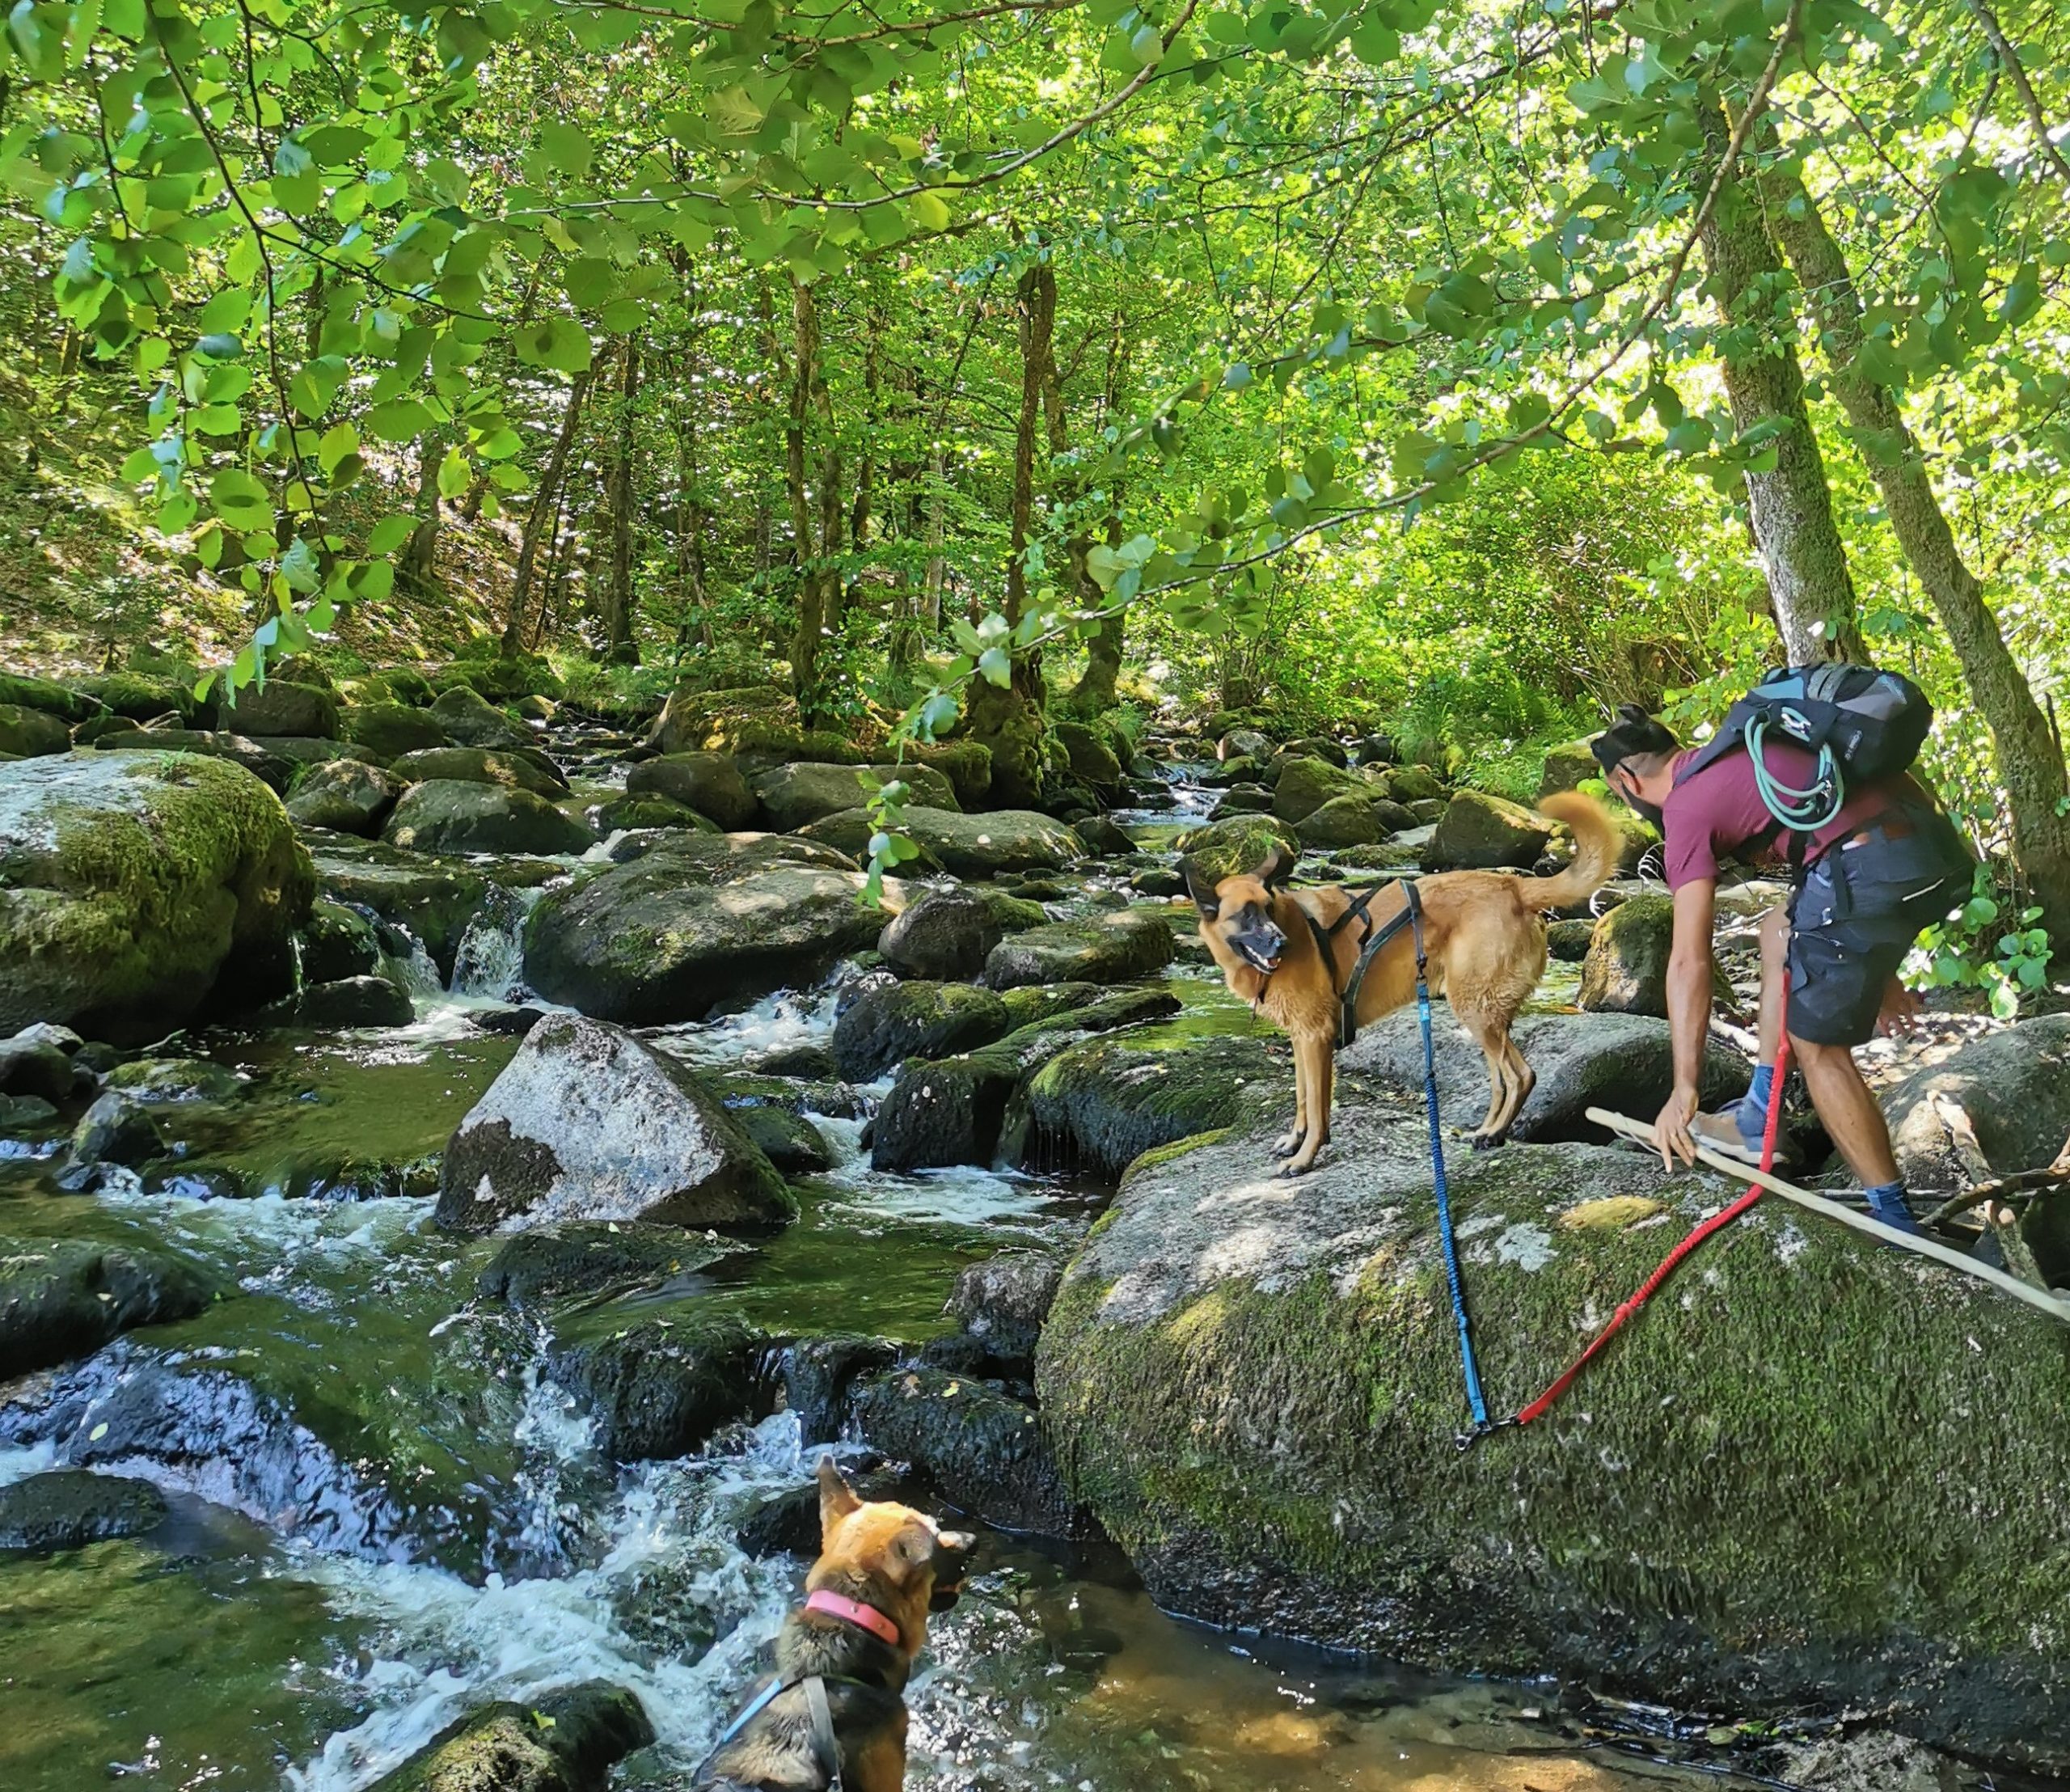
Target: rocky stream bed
(460,1163)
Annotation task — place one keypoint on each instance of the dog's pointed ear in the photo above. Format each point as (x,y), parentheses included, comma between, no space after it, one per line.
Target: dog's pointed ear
(837,1498)
(1275,870)
(1201,887)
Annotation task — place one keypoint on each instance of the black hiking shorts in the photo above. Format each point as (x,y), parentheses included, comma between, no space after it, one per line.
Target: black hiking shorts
(1862,906)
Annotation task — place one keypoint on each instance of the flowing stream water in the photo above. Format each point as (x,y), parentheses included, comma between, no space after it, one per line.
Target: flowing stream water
(351,1436)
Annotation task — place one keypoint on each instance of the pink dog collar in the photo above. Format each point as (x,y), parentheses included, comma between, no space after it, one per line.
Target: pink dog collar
(866,1617)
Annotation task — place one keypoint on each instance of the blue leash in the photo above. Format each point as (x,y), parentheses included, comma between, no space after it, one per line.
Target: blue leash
(1473,1397)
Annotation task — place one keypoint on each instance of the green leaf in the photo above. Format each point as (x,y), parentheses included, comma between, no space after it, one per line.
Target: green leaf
(558,342)
(996,666)
(404,420)
(390,533)
(339,441)
(455,474)
(566,149)
(240,500)
(929,211)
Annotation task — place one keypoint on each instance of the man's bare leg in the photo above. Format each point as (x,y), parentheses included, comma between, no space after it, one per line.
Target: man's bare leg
(1852,1114)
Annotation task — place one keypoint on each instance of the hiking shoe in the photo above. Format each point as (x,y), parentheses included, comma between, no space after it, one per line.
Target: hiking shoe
(1720,1132)
(1896,1212)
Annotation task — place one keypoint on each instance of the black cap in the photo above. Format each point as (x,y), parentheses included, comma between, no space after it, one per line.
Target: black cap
(1634,732)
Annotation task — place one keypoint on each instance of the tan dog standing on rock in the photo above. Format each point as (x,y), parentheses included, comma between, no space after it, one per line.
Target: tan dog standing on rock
(1291,954)
(849,1649)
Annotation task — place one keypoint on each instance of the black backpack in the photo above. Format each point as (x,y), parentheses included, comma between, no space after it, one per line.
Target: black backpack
(1864,725)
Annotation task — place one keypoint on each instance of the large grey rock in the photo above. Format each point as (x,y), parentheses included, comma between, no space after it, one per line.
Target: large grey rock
(1004,1300)
(793,795)
(1619,1062)
(967,846)
(1223,848)
(449,815)
(1626,970)
(32,1065)
(516,768)
(587,1123)
(140,891)
(280,708)
(434,899)
(27,734)
(1353,819)
(470,720)
(671,937)
(2011,1087)
(1303,785)
(948,934)
(344,796)
(709,783)
(1256,1386)
(64,1297)
(1568,767)
(1478,832)
(1116,947)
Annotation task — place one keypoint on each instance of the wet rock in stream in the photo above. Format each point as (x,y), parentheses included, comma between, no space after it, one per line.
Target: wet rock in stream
(886,1025)
(587,1122)
(819,1374)
(565,1741)
(345,795)
(575,1257)
(657,1381)
(69,1508)
(450,815)
(1114,948)
(62,1298)
(948,934)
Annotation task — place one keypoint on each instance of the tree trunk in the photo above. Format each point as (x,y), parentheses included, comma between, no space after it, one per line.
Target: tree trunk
(1009,721)
(620,647)
(420,555)
(816,526)
(1790,505)
(1094,689)
(2030,766)
(544,504)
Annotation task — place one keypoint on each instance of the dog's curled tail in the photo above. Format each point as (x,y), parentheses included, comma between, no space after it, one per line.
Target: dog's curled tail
(1597,845)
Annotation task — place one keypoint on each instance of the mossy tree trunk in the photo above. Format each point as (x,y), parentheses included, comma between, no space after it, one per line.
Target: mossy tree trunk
(816,518)
(1789,504)
(1094,689)
(2030,766)
(420,554)
(1009,719)
(546,505)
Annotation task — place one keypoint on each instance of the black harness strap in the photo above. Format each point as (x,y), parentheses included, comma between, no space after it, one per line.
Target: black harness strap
(1370,944)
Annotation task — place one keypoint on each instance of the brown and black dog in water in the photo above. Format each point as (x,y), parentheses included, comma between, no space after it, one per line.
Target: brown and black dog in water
(1484,935)
(882,1568)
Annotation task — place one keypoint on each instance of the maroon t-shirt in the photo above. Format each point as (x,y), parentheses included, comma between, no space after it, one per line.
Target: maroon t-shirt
(1718,815)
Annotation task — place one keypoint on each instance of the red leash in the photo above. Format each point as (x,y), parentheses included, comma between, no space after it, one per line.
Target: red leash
(1673,1260)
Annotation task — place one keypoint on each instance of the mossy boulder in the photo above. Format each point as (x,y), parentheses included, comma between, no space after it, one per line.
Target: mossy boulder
(1352,819)
(791,1141)
(18,691)
(455,815)
(344,796)
(1568,767)
(884,1027)
(27,734)
(402,684)
(392,729)
(671,937)
(587,1123)
(948,934)
(273,770)
(658,1378)
(140,891)
(709,783)
(1479,832)
(531,1268)
(1304,784)
(1415,784)
(1626,970)
(1097,1106)
(950,1110)
(470,720)
(1114,947)
(64,1297)
(1223,848)
(1093,761)
(433,899)
(966,764)
(624,814)
(792,795)
(280,708)
(563,1741)
(971,846)
(1788,1484)
(519,768)
(716,721)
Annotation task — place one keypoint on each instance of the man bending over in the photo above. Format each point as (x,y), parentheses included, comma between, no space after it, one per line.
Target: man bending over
(1887,864)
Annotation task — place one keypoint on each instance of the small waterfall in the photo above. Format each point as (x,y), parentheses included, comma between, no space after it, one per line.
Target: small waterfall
(490,962)
(405,962)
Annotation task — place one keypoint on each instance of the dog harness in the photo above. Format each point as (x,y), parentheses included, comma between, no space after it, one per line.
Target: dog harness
(1370,943)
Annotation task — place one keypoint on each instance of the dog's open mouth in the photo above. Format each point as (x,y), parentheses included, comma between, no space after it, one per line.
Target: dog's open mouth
(1262,959)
